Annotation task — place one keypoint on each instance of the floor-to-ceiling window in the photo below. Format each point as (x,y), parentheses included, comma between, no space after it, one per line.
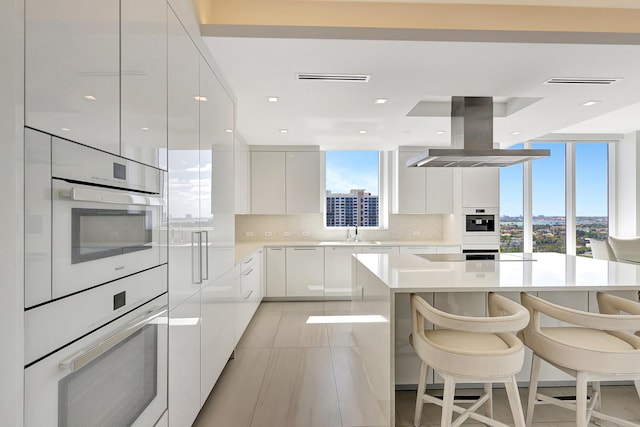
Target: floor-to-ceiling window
(511,208)
(592,220)
(548,200)
(573,180)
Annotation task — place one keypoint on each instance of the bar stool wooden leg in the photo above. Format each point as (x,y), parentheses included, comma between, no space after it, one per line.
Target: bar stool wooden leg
(597,393)
(488,406)
(422,382)
(447,401)
(581,400)
(533,388)
(514,402)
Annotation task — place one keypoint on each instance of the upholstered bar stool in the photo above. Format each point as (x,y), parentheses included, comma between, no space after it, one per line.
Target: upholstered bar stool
(598,348)
(469,350)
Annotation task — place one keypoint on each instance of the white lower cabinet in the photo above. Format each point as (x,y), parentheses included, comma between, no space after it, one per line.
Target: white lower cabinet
(276,272)
(305,272)
(217,332)
(380,249)
(250,291)
(418,250)
(184,362)
(337,270)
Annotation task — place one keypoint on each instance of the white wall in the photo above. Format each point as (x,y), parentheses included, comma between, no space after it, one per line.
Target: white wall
(11,131)
(627,177)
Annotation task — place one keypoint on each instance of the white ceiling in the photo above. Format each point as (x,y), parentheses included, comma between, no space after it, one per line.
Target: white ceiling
(331,114)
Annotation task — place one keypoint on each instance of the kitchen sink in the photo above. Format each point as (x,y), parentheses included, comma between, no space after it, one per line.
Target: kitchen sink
(358,243)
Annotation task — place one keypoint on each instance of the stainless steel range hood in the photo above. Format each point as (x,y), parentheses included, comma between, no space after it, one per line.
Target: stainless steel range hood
(472,140)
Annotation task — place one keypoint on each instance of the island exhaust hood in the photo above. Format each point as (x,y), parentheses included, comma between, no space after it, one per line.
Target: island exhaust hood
(472,140)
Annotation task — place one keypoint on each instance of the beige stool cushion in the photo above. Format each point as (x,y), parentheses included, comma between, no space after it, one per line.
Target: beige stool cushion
(465,342)
(587,338)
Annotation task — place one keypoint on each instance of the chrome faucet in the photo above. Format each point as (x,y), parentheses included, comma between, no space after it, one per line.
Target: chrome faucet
(348,234)
(357,237)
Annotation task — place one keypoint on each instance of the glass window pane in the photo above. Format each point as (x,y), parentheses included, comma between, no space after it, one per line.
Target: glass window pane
(592,217)
(352,183)
(548,204)
(511,207)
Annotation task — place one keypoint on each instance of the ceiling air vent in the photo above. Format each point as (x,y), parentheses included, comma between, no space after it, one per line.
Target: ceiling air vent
(580,81)
(364,78)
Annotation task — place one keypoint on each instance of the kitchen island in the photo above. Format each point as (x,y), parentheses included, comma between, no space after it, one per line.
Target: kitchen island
(383,282)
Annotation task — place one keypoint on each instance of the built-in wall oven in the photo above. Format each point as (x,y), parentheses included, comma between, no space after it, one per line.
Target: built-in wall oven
(105,216)
(95,314)
(113,376)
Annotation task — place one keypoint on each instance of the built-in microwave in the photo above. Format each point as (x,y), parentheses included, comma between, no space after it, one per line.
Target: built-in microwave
(91,217)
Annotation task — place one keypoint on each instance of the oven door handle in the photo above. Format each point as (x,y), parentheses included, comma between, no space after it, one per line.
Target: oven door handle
(84,357)
(81,194)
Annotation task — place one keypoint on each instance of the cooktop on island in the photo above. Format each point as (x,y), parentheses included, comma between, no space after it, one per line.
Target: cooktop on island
(488,256)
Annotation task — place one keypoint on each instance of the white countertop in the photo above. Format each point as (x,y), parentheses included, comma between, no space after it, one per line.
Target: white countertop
(244,249)
(546,271)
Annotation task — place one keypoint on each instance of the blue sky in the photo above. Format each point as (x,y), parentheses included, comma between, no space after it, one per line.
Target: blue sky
(348,170)
(549,182)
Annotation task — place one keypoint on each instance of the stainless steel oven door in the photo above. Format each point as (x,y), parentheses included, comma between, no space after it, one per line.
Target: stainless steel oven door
(101,235)
(116,376)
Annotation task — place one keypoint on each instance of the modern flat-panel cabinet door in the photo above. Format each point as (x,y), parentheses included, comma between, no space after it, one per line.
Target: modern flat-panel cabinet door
(186,243)
(276,272)
(143,81)
(480,187)
(268,189)
(305,272)
(410,186)
(439,190)
(216,173)
(242,173)
(218,306)
(184,362)
(337,270)
(303,182)
(72,69)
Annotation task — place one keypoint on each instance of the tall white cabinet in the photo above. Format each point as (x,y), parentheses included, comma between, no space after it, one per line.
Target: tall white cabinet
(420,190)
(480,187)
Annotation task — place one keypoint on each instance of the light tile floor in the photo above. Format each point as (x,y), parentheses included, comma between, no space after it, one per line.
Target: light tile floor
(287,373)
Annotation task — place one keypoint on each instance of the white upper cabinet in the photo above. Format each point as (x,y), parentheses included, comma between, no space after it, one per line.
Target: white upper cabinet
(242,176)
(144,81)
(439,190)
(217,214)
(480,187)
(72,70)
(421,190)
(268,176)
(303,182)
(285,182)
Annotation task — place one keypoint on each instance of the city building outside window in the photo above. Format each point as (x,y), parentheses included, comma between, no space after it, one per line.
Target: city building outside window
(352,184)
(592,213)
(511,208)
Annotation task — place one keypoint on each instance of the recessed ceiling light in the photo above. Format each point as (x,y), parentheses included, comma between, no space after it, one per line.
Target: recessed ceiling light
(363,131)
(90,97)
(200,98)
(441,132)
(590,103)
(272,98)
(516,132)
(144,128)
(65,129)
(380,101)
(228,130)
(284,130)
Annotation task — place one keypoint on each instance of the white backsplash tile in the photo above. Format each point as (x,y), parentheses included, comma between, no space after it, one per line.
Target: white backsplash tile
(310,227)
